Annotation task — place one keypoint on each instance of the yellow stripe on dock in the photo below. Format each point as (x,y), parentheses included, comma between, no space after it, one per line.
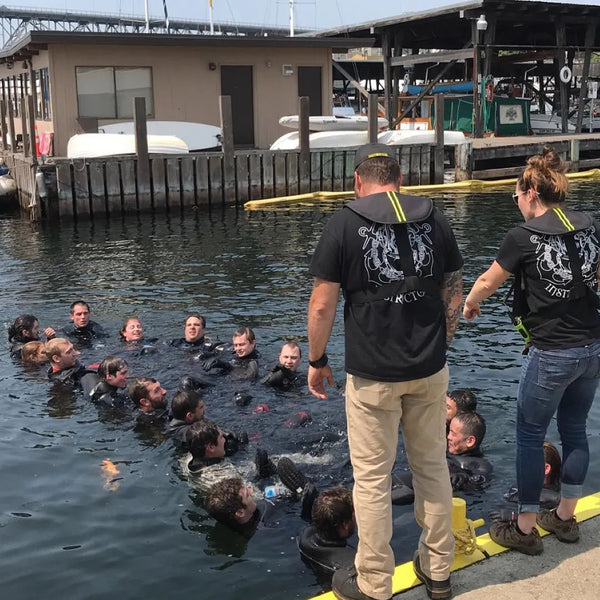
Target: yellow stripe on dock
(404,576)
(472,185)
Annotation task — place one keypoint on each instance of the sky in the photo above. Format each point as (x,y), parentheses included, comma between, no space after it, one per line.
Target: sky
(312,14)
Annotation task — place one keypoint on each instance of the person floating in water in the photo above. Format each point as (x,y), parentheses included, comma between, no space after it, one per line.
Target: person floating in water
(244,365)
(459,401)
(469,470)
(285,375)
(82,329)
(25,328)
(194,336)
(64,366)
(109,386)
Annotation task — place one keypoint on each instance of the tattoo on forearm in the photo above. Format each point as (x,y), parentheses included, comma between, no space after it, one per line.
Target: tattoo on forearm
(452,294)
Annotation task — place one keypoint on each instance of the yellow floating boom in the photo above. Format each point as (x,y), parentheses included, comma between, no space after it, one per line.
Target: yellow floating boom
(471,185)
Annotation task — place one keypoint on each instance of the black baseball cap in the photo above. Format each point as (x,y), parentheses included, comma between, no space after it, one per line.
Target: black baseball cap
(372,151)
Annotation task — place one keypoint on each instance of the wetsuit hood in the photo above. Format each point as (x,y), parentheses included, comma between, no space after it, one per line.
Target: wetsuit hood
(390,208)
(557,221)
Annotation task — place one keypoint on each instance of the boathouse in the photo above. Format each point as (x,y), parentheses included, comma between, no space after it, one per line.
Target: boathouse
(542,49)
(82,80)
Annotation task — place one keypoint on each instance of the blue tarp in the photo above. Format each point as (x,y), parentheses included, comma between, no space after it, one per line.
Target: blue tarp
(462,87)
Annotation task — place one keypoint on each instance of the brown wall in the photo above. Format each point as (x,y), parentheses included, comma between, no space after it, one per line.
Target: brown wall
(185,89)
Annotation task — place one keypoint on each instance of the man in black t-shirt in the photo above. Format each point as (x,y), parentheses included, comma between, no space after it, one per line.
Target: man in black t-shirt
(398,264)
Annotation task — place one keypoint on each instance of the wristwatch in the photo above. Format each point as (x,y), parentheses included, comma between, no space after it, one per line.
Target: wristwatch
(320,363)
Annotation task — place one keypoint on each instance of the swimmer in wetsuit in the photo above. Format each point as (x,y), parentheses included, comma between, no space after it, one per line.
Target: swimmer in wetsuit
(108,386)
(550,496)
(323,545)
(285,375)
(82,329)
(25,328)
(64,366)
(459,401)
(132,333)
(34,353)
(244,365)
(187,407)
(469,470)
(194,336)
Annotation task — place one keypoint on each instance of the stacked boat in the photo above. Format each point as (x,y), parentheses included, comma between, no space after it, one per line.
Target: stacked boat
(351,130)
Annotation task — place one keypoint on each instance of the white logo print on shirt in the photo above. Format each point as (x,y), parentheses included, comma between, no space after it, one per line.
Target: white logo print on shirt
(382,258)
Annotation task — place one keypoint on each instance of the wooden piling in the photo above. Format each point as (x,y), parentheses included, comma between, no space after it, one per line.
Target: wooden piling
(228,148)
(303,133)
(438,153)
(373,118)
(144,196)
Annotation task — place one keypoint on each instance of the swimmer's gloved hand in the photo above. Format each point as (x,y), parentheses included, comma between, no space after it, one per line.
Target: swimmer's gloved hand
(459,481)
(233,441)
(242,399)
(215,363)
(187,382)
(279,377)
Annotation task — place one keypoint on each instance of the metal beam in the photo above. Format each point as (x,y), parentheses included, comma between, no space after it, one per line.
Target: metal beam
(444,56)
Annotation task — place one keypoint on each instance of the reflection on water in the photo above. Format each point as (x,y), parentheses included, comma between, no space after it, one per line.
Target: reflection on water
(77,532)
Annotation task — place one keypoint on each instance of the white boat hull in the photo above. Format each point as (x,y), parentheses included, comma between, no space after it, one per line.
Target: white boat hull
(348,139)
(545,124)
(333,123)
(93,145)
(197,136)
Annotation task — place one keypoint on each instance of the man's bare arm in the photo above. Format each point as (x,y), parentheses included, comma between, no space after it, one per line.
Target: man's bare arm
(452,296)
(321,315)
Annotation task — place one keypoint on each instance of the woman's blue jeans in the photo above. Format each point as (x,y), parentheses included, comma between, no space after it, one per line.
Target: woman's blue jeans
(562,382)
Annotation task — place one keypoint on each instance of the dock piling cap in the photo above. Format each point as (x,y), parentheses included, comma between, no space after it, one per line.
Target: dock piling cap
(459,513)
(372,151)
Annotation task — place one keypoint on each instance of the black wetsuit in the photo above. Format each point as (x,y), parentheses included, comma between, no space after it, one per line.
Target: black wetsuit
(324,557)
(469,472)
(239,367)
(282,378)
(71,376)
(102,393)
(177,431)
(84,334)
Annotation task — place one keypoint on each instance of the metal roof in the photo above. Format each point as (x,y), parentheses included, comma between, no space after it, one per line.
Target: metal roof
(518,24)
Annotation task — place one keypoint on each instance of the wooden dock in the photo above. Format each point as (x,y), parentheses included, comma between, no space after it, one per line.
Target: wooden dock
(502,157)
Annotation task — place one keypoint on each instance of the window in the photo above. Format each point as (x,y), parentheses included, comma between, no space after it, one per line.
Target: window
(108,92)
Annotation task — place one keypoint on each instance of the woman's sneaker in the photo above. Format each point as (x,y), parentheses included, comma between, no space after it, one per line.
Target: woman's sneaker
(507,534)
(566,531)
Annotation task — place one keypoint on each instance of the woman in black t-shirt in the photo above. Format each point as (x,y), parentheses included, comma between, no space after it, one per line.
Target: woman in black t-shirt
(555,258)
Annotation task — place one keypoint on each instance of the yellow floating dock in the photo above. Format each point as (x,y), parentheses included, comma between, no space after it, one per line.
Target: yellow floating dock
(472,185)
(404,576)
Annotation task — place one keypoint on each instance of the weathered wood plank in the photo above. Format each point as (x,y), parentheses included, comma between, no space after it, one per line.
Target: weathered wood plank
(338,170)
(173,183)
(268,174)
(280,184)
(349,170)
(202,186)
(159,186)
(113,188)
(65,189)
(143,190)
(81,187)
(215,166)
(315,171)
(292,174)
(255,175)
(97,187)
(327,171)
(188,184)
(242,176)
(128,181)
